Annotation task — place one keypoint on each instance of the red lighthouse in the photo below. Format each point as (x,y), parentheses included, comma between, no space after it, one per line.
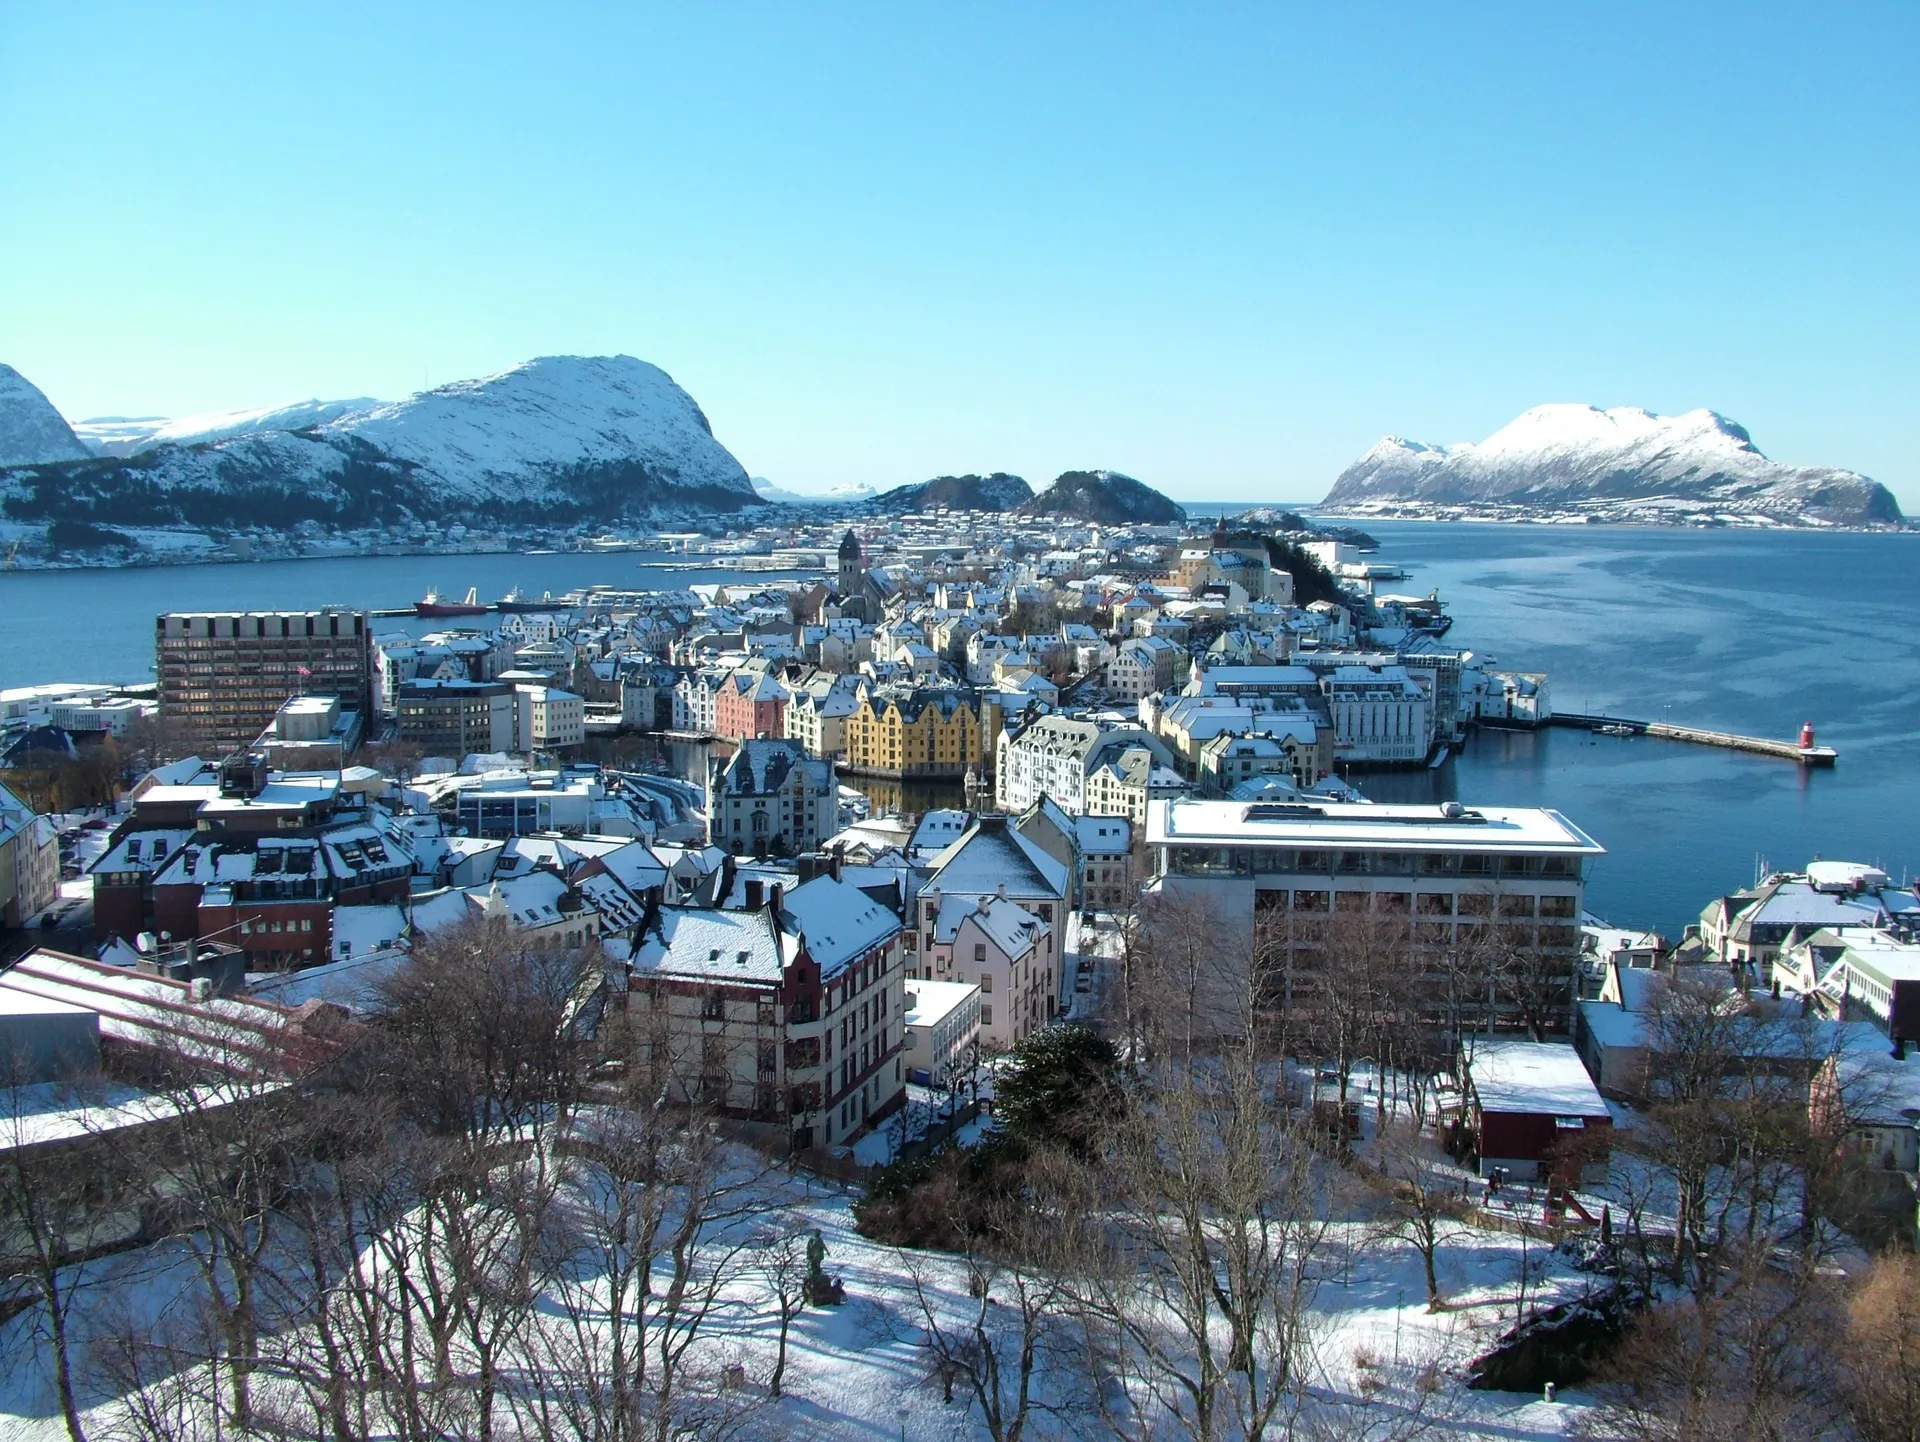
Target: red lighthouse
(1806,736)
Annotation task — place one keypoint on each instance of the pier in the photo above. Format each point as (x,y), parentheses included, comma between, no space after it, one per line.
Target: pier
(1804,751)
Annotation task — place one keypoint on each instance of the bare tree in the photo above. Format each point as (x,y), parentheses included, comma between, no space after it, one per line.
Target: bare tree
(57,1206)
(1880,1364)
(1017,1257)
(1422,1205)
(659,1220)
(780,1257)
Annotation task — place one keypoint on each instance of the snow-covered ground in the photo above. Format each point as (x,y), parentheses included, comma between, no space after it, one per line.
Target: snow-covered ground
(861,1370)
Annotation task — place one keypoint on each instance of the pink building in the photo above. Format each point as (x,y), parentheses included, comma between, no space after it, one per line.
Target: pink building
(748,705)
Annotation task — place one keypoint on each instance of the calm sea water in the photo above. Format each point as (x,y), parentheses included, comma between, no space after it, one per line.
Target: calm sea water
(1752,632)
(1744,631)
(98,625)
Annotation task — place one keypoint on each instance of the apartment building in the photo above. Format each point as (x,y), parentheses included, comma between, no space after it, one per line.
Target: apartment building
(1055,755)
(29,861)
(550,719)
(772,798)
(995,945)
(993,860)
(458,717)
(1462,877)
(789,1011)
(223,674)
(925,732)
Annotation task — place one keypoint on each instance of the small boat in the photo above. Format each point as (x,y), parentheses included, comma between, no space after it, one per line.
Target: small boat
(514,601)
(434,604)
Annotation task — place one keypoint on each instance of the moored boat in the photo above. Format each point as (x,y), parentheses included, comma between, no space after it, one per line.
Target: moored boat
(514,602)
(434,604)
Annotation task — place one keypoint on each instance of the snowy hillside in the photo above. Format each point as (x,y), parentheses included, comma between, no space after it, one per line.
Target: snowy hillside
(555,441)
(1565,454)
(129,435)
(31,430)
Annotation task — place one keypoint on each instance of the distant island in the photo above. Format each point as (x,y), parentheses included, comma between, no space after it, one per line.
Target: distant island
(1580,463)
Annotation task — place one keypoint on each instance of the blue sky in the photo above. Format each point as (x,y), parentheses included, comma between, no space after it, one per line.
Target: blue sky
(1224,251)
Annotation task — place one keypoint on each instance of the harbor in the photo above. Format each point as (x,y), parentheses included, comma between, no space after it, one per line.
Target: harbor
(1804,750)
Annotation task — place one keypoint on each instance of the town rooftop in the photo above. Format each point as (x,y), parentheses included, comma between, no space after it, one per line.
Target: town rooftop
(1351,826)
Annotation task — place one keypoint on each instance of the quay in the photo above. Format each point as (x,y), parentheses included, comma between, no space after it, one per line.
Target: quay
(1804,750)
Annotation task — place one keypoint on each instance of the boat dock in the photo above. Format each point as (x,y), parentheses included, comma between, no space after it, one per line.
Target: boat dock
(1803,750)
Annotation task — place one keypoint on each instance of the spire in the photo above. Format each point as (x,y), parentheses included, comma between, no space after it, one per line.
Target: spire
(849,546)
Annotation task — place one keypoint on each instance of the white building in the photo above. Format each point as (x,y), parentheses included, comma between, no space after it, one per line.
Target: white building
(1380,715)
(550,719)
(1055,755)
(942,1031)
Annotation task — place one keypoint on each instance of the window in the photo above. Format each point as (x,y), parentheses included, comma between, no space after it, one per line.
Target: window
(979,954)
(986,983)
(986,1016)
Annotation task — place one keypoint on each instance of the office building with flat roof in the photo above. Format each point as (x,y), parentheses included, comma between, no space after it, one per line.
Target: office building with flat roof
(225,674)
(1494,888)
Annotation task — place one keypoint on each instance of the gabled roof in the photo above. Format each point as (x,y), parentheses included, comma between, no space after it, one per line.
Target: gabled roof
(992,855)
(721,946)
(838,922)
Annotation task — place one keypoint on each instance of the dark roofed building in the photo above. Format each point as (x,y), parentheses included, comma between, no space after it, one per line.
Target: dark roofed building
(772,798)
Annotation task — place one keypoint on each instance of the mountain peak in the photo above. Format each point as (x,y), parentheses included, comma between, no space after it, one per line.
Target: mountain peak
(1107,498)
(555,441)
(1566,454)
(32,432)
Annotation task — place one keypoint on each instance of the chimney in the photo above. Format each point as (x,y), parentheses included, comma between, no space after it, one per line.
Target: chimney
(836,858)
(756,893)
(774,893)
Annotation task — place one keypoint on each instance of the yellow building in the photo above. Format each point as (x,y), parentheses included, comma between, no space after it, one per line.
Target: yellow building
(921,733)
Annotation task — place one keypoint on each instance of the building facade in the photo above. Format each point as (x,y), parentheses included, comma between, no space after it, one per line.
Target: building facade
(788,1012)
(1438,884)
(223,674)
(458,717)
(922,733)
(770,797)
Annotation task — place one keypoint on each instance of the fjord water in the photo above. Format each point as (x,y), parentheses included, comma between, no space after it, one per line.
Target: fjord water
(1745,631)
(1739,630)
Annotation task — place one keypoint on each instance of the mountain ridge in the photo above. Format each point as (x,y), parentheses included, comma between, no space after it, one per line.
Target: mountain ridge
(554,440)
(997,492)
(1107,498)
(32,430)
(1565,455)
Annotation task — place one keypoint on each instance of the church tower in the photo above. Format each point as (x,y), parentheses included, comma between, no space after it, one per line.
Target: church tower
(852,571)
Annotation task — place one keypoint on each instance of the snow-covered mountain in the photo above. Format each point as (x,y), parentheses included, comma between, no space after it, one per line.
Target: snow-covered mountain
(130,435)
(32,432)
(1566,455)
(558,440)
(849,494)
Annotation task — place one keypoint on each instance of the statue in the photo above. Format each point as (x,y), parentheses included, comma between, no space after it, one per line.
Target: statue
(822,1290)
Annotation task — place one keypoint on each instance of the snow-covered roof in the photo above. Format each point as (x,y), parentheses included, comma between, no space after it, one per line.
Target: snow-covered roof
(358,930)
(993,855)
(840,922)
(739,946)
(1537,1078)
(931,1002)
(1520,829)
(1104,835)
